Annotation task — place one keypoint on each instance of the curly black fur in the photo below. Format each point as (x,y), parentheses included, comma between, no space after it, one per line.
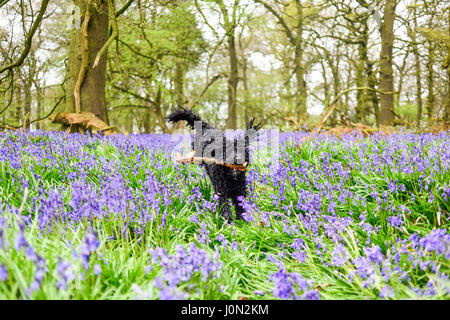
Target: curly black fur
(228,183)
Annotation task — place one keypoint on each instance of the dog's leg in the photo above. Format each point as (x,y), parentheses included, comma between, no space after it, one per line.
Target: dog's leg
(225,208)
(239,189)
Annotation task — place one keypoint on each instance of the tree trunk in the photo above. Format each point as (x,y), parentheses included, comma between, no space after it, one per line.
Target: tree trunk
(39,96)
(27,102)
(361,80)
(299,70)
(92,89)
(386,76)
(28,83)
(412,35)
(232,82)
(301,84)
(401,77)
(179,83)
(369,97)
(246,90)
(148,121)
(336,87)
(230,29)
(372,83)
(129,122)
(348,81)
(430,76)
(158,110)
(18,115)
(447,109)
(326,93)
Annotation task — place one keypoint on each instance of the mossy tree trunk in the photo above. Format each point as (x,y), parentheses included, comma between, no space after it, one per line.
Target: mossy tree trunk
(92,83)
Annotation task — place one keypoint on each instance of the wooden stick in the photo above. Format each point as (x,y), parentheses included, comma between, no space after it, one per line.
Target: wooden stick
(199,160)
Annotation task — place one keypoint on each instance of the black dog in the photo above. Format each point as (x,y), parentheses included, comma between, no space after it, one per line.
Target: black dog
(228,183)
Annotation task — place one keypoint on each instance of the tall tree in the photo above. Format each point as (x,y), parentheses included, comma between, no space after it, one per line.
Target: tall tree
(86,66)
(295,34)
(162,44)
(17,70)
(447,65)
(386,69)
(230,17)
(412,33)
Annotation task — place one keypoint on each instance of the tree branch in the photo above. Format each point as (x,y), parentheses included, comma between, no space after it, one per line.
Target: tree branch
(84,59)
(124,8)
(137,96)
(29,38)
(134,106)
(114,35)
(40,119)
(280,21)
(338,97)
(204,17)
(3,2)
(192,103)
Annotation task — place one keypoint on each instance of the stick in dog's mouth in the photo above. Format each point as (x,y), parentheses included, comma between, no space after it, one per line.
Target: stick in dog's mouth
(199,160)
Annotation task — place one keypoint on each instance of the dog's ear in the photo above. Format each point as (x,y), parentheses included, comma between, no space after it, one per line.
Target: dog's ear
(259,125)
(251,125)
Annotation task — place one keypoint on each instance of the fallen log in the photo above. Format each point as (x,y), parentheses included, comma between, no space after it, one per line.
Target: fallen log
(85,121)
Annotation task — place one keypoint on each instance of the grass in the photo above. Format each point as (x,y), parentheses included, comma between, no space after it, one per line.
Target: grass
(128,194)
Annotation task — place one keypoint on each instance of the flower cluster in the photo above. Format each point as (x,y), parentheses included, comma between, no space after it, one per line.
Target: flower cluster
(291,285)
(182,267)
(88,248)
(370,213)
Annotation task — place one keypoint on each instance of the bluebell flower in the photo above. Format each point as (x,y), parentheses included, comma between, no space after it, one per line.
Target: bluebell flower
(259,293)
(288,285)
(300,256)
(339,256)
(311,295)
(97,269)
(387,292)
(437,241)
(374,254)
(297,244)
(89,246)
(20,242)
(65,273)
(3,273)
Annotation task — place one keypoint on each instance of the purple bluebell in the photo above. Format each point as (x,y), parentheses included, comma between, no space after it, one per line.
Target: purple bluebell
(3,273)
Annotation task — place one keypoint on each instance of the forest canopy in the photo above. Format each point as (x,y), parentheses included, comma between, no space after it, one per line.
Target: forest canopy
(132,62)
